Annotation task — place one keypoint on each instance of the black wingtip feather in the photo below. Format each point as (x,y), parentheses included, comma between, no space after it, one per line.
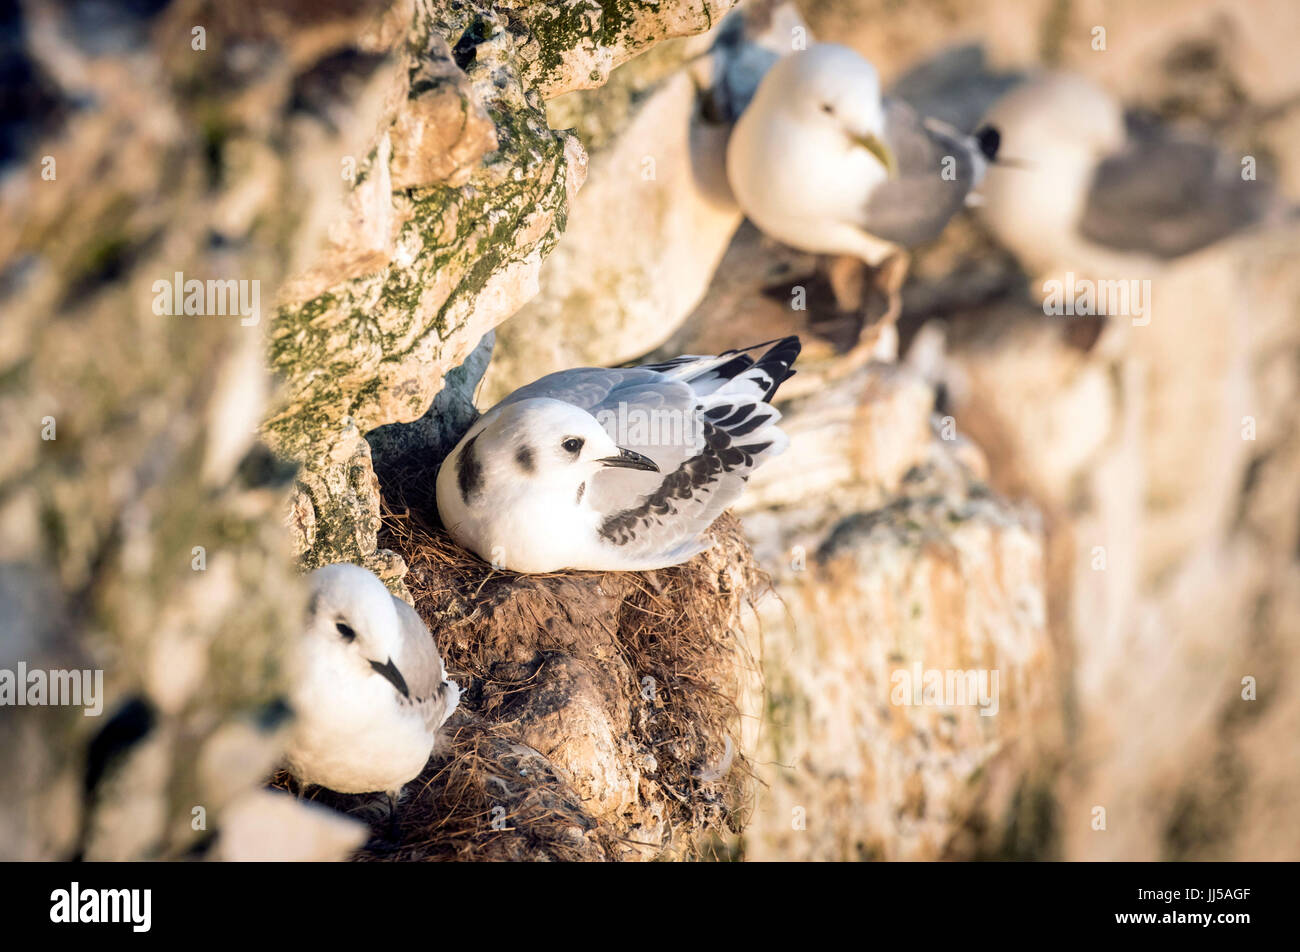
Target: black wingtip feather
(778,362)
(766,343)
(989,140)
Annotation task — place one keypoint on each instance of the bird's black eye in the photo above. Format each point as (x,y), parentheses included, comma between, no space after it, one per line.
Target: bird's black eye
(828,109)
(572,445)
(346,631)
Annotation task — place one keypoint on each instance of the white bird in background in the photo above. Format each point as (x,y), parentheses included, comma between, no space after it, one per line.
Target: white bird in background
(1062,126)
(1095,185)
(821,161)
(614,469)
(370,691)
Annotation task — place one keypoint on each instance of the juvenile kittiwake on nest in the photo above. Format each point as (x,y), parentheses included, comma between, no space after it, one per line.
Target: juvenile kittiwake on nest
(614,469)
(370,691)
(822,162)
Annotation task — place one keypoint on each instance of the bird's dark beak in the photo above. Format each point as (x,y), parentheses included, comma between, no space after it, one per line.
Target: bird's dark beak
(389,670)
(630,459)
(881,151)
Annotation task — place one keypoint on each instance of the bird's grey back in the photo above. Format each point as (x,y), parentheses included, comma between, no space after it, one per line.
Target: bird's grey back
(1168,195)
(929,189)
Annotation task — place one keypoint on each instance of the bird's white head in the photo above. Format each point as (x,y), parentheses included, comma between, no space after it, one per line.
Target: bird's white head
(353,624)
(833,88)
(541,443)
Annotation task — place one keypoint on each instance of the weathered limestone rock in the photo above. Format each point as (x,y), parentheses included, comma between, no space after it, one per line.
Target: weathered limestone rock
(642,243)
(379,176)
(141,523)
(1157,454)
(648,230)
(907,566)
(857,439)
(574,44)
(458,244)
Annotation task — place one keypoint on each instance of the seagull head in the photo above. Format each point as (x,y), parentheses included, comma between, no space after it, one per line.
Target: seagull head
(353,624)
(542,442)
(833,88)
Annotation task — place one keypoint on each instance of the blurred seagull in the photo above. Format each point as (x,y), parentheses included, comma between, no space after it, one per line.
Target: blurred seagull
(1097,183)
(614,469)
(751,39)
(822,162)
(371,690)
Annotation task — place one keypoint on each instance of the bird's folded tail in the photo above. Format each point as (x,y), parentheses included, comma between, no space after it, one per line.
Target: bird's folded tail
(735,369)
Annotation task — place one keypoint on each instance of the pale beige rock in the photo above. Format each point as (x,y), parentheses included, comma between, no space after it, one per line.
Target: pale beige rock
(442,134)
(571,722)
(1168,580)
(943,577)
(389,317)
(859,435)
(388,207)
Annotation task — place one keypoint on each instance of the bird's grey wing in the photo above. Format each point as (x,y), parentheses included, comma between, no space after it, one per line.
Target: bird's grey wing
(656,418)
(936,171)
(593,388)
(1168,196)
(704,420)
(422,668)
(731,429)
(641,409)
(664,526)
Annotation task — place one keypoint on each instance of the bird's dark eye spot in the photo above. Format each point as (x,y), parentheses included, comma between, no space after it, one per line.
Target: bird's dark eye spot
(346,631)
(828,109)
(572,445)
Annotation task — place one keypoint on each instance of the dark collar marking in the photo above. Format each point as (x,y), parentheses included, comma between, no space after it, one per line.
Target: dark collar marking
(469,471)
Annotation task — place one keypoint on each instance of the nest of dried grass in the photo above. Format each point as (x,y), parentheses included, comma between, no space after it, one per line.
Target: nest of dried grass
(599,713)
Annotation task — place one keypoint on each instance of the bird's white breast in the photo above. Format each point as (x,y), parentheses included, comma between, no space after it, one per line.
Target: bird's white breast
(804,185)
(354,733)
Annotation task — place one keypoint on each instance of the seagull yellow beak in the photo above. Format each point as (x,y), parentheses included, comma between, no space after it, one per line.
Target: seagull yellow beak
(881,151)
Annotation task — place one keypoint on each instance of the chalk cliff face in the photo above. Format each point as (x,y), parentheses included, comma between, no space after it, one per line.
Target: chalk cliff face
(257,258)
(381,181)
